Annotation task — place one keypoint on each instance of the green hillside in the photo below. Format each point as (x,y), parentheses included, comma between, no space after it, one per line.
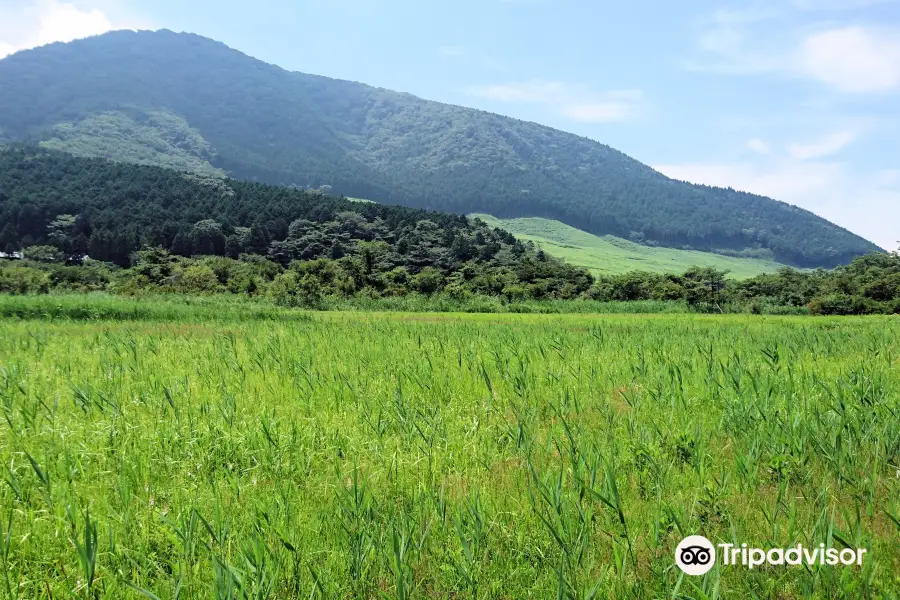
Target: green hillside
(609,255)
(184,101)
(158,138)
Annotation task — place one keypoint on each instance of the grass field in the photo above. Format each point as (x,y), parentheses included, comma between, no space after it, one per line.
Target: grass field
(386,455)
(609,255)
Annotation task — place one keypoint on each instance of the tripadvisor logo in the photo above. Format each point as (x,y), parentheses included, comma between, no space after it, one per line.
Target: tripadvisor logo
(696,555)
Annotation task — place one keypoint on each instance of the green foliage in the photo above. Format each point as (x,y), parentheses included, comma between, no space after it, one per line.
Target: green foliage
(188,102)
(293,289)
(428,281)
(24,280)
(198,279)
(838,304)
(90,276)
(704,287)
(43,254)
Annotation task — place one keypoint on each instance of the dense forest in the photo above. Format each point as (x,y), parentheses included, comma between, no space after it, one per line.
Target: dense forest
(57,208)
(190,103)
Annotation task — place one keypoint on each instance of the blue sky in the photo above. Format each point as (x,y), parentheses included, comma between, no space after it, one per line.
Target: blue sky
(795,99)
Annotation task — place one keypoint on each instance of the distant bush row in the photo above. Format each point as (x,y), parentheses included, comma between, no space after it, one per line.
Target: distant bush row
(868,285)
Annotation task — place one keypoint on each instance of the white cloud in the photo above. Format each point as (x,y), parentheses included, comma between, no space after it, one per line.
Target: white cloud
(531,91)
(853,59)
(768,38)
(724,39)
(866,205)
(737,16)
(571,101)
(827,146)
(452,51)
(758,146)
(821,5)
(599,112)
(889,178)
(35,23)
(724,45)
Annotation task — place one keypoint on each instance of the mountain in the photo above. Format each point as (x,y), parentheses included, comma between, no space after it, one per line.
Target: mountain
(190,103)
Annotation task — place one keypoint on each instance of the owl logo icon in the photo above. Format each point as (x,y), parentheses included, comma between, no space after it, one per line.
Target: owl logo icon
(695,555)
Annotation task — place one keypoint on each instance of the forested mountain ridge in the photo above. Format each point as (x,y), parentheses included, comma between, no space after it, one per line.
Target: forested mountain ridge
(187,102)
(61,208)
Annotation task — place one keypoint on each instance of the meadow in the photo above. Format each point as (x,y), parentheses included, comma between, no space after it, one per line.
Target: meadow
(191,452)
(610,255)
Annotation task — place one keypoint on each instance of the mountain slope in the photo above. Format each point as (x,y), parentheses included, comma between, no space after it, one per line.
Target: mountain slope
(609,255)
(256,121)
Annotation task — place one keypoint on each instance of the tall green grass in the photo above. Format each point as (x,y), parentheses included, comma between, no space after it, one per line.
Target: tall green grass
(383,455)
(170,308)
(176,307)
(483,304)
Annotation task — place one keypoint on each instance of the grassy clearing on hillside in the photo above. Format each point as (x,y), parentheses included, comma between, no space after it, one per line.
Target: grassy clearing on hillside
(158,138)
(609,255)
(474,456)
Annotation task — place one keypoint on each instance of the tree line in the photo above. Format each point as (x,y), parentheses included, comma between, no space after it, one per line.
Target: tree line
(869,285)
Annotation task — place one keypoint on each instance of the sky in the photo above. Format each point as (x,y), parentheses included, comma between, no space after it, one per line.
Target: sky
(794,99)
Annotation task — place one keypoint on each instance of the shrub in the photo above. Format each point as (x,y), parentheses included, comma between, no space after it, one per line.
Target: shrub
(93,278)
(43,254)
(198,279)
(23,280)
(667,290)
(514,292)
(428,281)
(884,289)
(844,304)
(293,290)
